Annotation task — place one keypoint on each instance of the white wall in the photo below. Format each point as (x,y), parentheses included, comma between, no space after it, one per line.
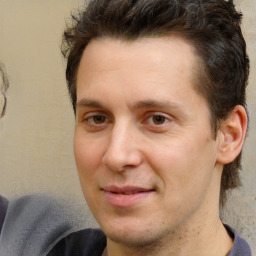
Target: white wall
(36,134)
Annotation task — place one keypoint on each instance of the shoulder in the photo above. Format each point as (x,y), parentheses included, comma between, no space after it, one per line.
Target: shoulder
(240,247)
(32,223)
(85,242)
(3,209)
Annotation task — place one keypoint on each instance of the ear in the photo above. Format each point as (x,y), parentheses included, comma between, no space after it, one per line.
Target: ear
(231,135)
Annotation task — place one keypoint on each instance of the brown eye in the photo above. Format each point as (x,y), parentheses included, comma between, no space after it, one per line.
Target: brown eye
(158,120)
(99,119)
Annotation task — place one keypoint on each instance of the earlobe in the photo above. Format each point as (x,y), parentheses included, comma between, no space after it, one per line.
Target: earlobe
(231,135)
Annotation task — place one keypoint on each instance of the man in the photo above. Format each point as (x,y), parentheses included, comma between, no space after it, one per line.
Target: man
(158,89)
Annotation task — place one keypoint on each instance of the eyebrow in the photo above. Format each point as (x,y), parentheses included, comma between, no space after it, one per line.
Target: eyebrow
(163,105)
(138,105)
(157,104)
(89,103)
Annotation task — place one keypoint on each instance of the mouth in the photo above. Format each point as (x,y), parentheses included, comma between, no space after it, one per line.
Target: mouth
(126,196)
(128,192)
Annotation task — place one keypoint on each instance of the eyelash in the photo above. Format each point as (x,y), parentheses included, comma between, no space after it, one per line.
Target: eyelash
(163,119)
(94,118)
(91,120)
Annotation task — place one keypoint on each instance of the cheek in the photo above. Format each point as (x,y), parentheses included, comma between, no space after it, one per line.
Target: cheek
(88,152)
(184,166)
(88,158)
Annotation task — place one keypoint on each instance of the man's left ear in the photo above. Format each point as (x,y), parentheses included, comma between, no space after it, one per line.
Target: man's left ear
(231,135)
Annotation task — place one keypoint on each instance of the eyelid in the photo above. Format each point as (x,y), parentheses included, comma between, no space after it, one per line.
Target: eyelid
(90,120)
(89,123)
(94,113)
(153,114)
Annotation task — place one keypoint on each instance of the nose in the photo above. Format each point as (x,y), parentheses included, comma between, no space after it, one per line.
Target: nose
(123,149)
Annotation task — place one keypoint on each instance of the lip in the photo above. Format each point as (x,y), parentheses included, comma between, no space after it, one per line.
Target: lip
(126,196)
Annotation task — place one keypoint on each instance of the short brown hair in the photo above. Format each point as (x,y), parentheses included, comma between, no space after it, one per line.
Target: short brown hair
(212,26)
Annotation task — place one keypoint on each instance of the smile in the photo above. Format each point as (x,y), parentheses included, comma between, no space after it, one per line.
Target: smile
(125,196)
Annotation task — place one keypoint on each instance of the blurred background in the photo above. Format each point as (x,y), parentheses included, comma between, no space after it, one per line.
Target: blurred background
(36,151)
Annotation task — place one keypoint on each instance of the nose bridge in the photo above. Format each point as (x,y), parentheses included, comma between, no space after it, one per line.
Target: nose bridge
(120,134)
(122,150)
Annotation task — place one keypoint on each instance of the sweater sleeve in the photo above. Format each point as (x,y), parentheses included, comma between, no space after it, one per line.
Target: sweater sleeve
(32,223)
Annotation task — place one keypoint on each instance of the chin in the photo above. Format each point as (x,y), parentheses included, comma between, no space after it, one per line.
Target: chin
(134,235)
(133,240)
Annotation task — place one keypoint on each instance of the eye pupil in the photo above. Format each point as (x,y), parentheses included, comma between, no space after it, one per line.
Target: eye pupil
(158,119)
(99,119)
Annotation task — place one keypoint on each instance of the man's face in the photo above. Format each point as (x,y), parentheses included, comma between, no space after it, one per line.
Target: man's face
(143,142)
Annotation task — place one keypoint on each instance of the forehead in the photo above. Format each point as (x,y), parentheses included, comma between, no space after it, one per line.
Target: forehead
(145,65)
(159,51)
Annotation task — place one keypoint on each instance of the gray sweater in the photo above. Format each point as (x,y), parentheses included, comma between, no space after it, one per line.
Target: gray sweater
(33,223)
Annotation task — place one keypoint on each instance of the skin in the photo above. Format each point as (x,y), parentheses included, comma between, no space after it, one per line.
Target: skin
(140,122)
